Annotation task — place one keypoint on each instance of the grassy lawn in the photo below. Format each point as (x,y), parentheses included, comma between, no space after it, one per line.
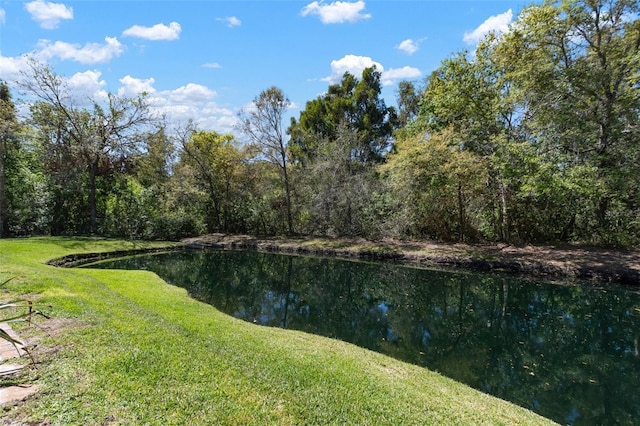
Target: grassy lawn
(135,350)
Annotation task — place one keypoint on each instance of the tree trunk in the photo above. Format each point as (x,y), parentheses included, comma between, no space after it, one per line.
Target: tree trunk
(4,224)
(504,214)
(93,172)
(603,208)
(287,191)
(214,225)
(461,213)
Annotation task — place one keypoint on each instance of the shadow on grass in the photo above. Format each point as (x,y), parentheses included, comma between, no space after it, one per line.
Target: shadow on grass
(83,243)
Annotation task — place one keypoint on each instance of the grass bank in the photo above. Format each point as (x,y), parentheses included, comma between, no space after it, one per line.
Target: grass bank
(135,350)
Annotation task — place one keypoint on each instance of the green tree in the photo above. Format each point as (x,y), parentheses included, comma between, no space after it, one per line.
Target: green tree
(136,202)
(438,187)
(152,165)
(9,146)
(469,97)
(184,211)
(24,196)
(408,98)
(263,126)
(262,204)
(576,64)
(341,196)
(96,138)
(337,141)
(128,211)
(552,108)
(64,174)
(216,160)
(354,103)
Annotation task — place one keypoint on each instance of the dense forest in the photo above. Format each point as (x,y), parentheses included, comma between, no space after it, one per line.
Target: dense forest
(532,137)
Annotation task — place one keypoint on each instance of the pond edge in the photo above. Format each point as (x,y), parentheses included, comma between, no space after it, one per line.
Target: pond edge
(599,274)
(596,274)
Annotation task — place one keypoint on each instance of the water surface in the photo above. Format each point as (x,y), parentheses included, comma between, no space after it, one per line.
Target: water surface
(569,353)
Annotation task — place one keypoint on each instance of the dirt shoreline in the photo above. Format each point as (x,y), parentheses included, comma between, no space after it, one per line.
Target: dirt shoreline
(572,263)
(599,266)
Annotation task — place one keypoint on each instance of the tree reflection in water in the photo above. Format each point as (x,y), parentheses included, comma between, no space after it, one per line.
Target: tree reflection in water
(569,353)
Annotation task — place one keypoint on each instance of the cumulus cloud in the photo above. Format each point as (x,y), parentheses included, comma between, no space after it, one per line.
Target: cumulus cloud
(337,12)
(48,14)
(189,102)
(352,64)
(221,120)
(212,65)
(193,102)
(88,84)
(83,87)
(156,32)
(11,67)
(132,87)
(193,93)
(409,46)
(392,75)
(494,24)
(90,53)
(231,21)
(3,16)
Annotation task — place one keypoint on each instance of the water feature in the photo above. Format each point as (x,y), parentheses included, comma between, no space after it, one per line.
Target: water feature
(570,353)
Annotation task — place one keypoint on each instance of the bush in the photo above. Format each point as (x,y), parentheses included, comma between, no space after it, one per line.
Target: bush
(175,226)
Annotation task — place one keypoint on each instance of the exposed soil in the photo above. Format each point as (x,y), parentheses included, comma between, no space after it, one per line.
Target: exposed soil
(14,359)
(600,266)
(83,258)
(10,351)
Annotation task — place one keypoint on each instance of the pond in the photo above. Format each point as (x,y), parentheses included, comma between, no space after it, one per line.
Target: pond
(569,353)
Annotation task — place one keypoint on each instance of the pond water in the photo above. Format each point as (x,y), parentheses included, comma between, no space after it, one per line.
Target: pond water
(569,353)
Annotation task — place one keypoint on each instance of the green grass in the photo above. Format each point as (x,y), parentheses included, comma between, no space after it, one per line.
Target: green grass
(140,351)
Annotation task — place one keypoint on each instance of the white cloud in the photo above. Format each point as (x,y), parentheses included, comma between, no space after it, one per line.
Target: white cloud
(10,68)
(336,12)
(48,14)
(221,120)
(90,53)
(496,24)
(231,21)
(190,102)
(212,65)
(83,87)
(3,16)
(192,93)
(156,32)
(409,46)
(88,85)
(352,64)
(392,75)
(132,87)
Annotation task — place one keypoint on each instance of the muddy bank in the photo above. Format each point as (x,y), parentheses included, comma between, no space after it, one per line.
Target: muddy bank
(84,258)
(574,263)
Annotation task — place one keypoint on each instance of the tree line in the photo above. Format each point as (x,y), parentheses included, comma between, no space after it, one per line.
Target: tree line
(532,137)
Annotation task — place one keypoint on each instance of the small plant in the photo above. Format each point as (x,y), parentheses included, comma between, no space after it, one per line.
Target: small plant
(27,316)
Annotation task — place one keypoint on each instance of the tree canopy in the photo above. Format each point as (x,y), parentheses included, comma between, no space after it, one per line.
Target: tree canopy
(532,137)
(354,103)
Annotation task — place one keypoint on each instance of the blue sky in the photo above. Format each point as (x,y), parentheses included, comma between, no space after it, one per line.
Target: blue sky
(204,60)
